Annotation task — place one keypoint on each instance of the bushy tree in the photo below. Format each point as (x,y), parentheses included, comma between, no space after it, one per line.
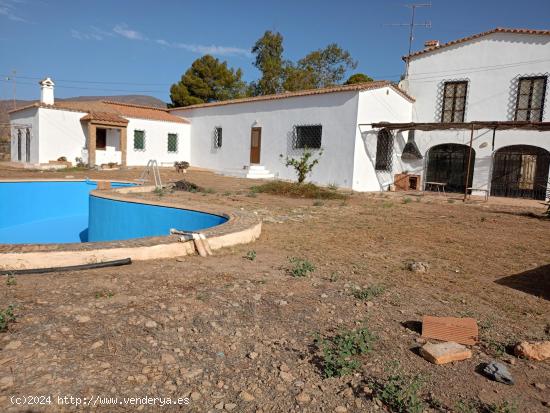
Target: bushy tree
(304,164)
(358,78)
(207,80)
(269,60)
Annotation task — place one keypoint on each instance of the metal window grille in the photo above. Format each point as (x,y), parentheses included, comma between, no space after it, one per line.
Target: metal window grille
(530,98)
(139,140)
(218,137)
(172,142)
(307,136)
(19,142)
(27,145)
(384,151)
(454,101)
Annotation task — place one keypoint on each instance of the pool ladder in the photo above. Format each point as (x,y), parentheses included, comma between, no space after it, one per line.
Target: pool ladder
(152,168)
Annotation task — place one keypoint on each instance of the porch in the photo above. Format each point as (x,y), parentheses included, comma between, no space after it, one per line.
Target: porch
(107,139)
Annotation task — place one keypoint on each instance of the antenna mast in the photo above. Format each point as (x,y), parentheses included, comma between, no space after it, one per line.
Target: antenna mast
(412,25)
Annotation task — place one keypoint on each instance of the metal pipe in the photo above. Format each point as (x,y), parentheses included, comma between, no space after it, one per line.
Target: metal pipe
(104,264)
(469,163)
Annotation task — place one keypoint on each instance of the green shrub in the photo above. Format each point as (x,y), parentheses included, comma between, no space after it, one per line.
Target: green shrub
(295,190)
(339,353)
(368,293)
(401,393)
(250,255)
(407,200)
(304,164)
(300,267)
(11,280)
(6,317)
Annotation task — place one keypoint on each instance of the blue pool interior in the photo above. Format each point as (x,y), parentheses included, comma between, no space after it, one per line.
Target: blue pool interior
(64,212)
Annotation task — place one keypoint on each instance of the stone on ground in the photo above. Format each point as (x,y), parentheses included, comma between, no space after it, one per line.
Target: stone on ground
(498,372)
(533,351)
(441,353)
(417,266)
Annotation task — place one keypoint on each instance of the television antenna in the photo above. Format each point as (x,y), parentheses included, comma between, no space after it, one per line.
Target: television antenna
(427,25)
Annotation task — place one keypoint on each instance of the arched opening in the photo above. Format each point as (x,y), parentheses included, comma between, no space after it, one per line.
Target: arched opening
(520,171)
(448,164)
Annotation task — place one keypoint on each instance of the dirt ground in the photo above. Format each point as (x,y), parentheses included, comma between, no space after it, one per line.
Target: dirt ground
(238,334)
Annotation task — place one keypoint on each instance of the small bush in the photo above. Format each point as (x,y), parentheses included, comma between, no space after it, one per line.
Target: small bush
(250,255)
(502,407)
(338,354)
(407,200)
(11,280)
(400,393)
(369,293)
(6,317)
(304,164)
(300,267)
(187,186)
(295,190)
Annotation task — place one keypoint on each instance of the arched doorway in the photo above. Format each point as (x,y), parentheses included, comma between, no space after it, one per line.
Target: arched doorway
(448,163)
(520,171)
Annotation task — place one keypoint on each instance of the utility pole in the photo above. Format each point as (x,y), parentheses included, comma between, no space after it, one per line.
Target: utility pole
(412,25)
(12,78)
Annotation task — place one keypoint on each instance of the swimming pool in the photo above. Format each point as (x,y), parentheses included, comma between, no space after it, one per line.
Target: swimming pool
(64,212)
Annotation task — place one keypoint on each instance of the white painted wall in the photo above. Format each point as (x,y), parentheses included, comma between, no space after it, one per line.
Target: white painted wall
(20,120)
(337,112)
(156,142)
(488,64)
(379,105)
(63,134)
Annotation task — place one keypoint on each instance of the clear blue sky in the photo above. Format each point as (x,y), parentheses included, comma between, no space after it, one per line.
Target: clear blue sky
(144,46)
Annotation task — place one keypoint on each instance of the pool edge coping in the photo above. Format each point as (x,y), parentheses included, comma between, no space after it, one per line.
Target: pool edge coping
(241,227)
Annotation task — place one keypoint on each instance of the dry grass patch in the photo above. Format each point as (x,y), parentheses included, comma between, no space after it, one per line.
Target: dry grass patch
(296,190)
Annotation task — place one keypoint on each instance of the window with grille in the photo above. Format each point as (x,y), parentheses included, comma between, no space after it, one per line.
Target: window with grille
(384,151)
(308,136)
(454,101)
(139,140)
(530,100)
(172,142)
(218,137)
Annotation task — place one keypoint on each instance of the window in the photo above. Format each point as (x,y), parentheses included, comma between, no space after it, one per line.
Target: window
(172,142)
(530,100)
(308,136)
(139,140)
(101,139)
(454,101)
(218,137)
(384,151)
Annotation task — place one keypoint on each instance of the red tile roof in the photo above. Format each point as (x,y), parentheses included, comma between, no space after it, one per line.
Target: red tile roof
(334,89)
(104,117)
(116,108)
(477,36)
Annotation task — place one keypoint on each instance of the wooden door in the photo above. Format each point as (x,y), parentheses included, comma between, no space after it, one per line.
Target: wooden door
(255,145)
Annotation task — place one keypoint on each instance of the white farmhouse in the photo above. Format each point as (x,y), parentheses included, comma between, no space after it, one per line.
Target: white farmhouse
(470,115)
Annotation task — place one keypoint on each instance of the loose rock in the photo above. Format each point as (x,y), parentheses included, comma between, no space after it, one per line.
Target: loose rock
(418,266)
(303,398)
(534,351)
(498,372)
(442,353)
(13,345)
(247,397)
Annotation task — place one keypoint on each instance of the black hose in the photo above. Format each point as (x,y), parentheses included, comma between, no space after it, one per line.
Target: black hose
(114,263)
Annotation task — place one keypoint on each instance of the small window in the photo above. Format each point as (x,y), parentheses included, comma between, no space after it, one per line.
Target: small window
(218,137)
(384,151)
(172,142)
(139,140)
(530,100)
(454,101)
(308,136)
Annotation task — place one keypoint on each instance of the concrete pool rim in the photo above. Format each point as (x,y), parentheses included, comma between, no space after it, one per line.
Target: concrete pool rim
(241,227)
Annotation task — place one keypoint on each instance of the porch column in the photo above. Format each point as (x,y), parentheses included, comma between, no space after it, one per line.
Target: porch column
(91,143)
(123,146)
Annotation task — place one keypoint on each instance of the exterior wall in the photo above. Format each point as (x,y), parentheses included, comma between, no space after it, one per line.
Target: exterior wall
(61,134)
(488,65)
(25,117)
(336,112)
(156,142)
(379,105)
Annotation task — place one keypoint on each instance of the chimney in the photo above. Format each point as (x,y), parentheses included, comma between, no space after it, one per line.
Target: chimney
(428,44)
(46,91)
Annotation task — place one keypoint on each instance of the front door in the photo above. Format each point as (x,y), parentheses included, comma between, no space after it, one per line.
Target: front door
(255,145)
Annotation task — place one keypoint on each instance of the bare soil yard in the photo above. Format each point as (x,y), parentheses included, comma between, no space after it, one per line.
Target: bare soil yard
(237,331)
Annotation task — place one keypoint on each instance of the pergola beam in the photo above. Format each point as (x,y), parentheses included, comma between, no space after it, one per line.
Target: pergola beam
(476,125)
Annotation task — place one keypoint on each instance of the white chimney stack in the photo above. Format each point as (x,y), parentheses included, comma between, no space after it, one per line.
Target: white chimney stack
(46,91)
